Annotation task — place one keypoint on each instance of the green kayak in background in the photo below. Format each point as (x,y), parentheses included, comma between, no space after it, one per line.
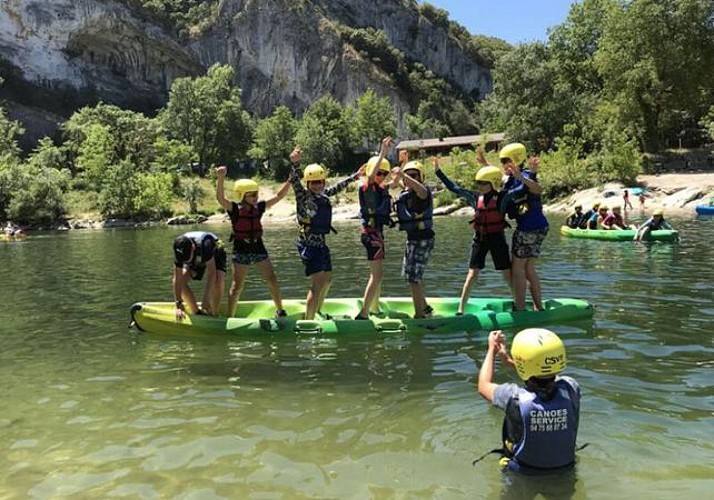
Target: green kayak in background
(618,234)
(256,317)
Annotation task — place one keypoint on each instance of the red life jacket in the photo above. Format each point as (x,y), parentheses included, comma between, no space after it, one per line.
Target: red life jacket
(245,219)
(487,218)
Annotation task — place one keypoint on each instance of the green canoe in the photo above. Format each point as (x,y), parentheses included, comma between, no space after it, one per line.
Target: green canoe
(618,234)
(256,317)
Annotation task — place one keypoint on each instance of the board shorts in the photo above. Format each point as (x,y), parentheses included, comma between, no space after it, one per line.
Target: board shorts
(526,244)
(373,242)
(315,258)
(416,257)
(494,243)
(247,252)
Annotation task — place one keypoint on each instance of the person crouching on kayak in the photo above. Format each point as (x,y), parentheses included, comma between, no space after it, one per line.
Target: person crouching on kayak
(314,218)
(614,219)
(247,236)
(375,207)
(415,208)
(654,223)
(540,428)
(489,225)
(197,253)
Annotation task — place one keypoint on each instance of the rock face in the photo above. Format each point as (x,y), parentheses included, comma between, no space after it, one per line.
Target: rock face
(284,52)
(97,48)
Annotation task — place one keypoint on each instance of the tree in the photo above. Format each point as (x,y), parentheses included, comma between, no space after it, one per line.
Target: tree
(207,114)
(324,134)
(374,119)
(130,135)
(528,102)
(274,140)
(656,58)
(10,130)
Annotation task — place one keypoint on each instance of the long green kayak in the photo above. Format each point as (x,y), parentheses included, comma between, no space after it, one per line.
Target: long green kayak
(256,317)
(618,234)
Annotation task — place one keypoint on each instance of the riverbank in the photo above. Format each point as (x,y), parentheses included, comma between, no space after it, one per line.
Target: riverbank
(675,192)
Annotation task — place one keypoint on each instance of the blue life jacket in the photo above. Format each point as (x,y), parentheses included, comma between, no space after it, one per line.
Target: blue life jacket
(520,204)
(548,429)
(321,221)
(414,214)
(375,206)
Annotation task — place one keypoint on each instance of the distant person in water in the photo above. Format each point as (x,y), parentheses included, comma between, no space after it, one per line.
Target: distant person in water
(197,253)
(248,247)
(626,199)
(12,230)
(654,223)
(641,198)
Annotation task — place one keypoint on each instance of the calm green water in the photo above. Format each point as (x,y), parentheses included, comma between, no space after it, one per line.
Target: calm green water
(93,410)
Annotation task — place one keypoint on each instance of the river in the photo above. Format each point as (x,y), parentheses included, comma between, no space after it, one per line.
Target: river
(91,409)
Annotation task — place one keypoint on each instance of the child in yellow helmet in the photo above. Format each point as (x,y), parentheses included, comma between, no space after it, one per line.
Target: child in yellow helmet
(248,247)
(524,204)
(314,217)
(488,223)
(375,208)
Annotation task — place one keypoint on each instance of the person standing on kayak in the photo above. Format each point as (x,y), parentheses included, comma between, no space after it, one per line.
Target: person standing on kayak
(522,202)
(314,217)
(489,225)
(415,208)
(247,236)
(197,253)
(375,207)
(541,421)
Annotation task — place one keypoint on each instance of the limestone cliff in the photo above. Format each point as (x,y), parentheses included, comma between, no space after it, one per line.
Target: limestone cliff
(60,54)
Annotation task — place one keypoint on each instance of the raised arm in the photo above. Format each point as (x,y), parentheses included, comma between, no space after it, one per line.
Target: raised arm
(384,148)
(486,386)
(531,184)
(412,184)
(465,194)
(220,189)
(339,186)
(279,195)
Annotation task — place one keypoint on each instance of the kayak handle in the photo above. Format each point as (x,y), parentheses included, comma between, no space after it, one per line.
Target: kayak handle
(390,326)
(308,327)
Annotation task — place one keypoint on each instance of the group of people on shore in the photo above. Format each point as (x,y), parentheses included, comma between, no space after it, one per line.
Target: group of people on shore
(511,191)
(598,217)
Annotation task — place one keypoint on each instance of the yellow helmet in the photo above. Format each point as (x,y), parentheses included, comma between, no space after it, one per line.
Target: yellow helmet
(515,151)
(603,206)
(490,174)
(538,352)
(616,207)
(242,186)
(414,165)
(313,172)
(658,211)
(372,164)
(596,205)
